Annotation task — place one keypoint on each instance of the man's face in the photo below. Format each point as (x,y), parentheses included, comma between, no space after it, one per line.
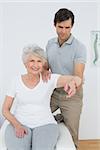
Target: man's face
(63,30)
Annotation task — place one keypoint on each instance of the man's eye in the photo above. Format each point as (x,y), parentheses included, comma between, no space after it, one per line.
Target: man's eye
(60,27)
(67,27)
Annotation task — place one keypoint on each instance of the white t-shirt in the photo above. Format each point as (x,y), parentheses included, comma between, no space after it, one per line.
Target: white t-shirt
(33,105)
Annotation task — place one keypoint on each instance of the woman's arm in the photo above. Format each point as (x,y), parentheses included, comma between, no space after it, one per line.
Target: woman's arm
(19,129)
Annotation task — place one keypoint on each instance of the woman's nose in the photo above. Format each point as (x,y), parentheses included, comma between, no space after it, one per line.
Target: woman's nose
(35,64)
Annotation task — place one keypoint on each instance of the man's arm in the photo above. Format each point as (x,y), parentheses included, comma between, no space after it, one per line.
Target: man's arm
(46,72)
(46,66)
(79,71)
(70,84)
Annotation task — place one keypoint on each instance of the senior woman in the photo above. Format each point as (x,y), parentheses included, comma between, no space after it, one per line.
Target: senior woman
(32,125)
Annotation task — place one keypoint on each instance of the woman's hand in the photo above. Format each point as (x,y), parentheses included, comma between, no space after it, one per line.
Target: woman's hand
(20,131)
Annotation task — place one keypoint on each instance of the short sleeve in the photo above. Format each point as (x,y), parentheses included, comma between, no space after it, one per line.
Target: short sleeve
(11,91)
(54,78)
(81,54)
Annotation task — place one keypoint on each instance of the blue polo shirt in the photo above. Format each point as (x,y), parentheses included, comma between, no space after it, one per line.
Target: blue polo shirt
(61,59)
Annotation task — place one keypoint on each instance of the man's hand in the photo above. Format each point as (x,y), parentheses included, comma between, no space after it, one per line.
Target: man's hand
(46,75)
(71,87)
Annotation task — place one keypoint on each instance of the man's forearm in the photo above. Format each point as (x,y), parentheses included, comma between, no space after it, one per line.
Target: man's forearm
(46,66)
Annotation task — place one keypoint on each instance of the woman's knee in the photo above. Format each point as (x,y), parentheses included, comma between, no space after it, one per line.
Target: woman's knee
(45,137)
(14,143)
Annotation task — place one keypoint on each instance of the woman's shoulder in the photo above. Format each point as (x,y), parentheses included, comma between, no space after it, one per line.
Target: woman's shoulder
(54,76)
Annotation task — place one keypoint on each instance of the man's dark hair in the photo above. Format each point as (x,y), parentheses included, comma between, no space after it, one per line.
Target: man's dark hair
(63,14)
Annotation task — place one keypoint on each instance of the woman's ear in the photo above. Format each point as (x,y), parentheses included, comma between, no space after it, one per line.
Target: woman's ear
(25,64)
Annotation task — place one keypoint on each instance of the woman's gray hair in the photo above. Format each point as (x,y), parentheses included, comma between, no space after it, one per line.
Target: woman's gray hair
(33,49)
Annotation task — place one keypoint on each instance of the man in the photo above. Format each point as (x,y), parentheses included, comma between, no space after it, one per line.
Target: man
(67,56)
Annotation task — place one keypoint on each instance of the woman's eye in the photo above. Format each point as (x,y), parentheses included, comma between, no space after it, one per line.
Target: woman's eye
(39,61)
(31,60)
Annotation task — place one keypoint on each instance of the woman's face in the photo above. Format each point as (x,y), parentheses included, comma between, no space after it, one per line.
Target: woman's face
(34,64)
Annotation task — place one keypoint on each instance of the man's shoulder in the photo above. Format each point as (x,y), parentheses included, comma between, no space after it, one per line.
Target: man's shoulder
(78,42)
(52,40)
(51,43)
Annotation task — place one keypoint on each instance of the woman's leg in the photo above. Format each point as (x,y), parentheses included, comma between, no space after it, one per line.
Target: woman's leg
(15,143)
(45,137)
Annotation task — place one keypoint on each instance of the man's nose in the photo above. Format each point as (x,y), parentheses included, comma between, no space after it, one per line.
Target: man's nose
(64,30)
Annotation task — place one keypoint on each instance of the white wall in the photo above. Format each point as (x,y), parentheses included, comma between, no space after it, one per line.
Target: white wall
(23,23)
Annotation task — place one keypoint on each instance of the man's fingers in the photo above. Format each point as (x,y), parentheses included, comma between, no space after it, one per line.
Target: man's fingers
(66,87)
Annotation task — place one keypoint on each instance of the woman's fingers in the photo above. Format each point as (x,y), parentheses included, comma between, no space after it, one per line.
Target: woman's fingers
(20,132)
